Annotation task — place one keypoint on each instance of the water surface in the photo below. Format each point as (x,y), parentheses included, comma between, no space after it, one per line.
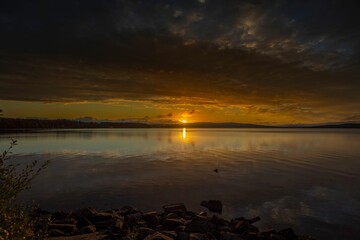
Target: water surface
(307,179)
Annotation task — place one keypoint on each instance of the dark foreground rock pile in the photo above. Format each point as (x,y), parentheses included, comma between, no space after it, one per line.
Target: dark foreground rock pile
(174,223)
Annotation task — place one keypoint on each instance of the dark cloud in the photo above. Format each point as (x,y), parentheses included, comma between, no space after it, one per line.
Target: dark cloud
(290,55)
(169,115)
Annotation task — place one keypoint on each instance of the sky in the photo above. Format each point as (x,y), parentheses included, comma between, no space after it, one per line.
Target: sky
(253,61)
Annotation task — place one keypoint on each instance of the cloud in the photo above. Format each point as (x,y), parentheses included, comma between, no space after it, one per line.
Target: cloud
(296,58)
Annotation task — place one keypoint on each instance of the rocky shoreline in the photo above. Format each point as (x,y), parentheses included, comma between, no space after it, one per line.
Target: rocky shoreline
(174,223)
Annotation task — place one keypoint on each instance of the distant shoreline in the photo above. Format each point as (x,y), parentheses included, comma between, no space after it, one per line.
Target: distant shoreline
(36,124)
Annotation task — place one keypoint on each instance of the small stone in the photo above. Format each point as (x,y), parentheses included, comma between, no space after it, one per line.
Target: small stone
(134,217)
(172,222)
(212,205)
(86,212)
(158,236)
(56,233)
(196,236)
(127,210)
(177,207)
(277,237)
(68,229)
(219,221)
(88,229)
(268,232)
(183,236)
(171,234)
(203,214)
(172,215)
(200,226)
(253,220)
(230,236)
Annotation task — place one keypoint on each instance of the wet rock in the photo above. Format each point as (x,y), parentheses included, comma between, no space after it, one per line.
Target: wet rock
(134,217)
(277,237)
(267,232)
(128,210)
(158,236)
(143,232)
(61,215)
(218,221)
(238,226)
(230,236)
(172,215)
(171,234)
(56,233)
(152,219)
(212,205)
(177,207)
(253,220)
(68,229)
(183,236)
(203,214)
(85,212)
(172,222)
(82,221)
(199,226)
(196,236)
(88,229)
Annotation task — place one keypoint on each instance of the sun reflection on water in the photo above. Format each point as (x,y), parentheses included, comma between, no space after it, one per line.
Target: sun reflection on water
(184,134)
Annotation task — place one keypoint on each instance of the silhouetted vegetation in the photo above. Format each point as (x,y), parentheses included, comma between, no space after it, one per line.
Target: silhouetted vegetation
(18,222)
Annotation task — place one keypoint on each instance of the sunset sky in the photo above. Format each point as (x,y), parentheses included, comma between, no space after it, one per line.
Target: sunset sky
(264,62)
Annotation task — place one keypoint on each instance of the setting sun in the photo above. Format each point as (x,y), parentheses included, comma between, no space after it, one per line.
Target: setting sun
(183,121)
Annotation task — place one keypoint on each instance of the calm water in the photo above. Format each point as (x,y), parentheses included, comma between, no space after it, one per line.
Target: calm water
(305,179)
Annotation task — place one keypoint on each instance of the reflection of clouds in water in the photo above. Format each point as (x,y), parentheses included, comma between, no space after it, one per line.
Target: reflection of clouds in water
(318,204)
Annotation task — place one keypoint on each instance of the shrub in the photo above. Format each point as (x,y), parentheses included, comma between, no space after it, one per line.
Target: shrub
(18,222)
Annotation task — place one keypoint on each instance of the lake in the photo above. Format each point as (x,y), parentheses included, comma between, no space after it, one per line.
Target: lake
(307,179)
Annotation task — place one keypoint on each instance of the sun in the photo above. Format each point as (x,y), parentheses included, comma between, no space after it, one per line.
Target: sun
(183,121)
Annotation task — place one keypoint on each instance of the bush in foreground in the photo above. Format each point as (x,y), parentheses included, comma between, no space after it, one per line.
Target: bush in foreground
(18,222)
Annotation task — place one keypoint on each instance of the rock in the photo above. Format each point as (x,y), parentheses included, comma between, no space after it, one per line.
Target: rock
(143,232)
(134,217)
(151,219)
(158,236)
(85,212)
(267,232)
(172,222)
(219,221)
(68,229)
(199,226)
(183,236)
(230,236)
(82,221)
(172,215)
(128,210)
(171,234)
(212,205)
(113,223)
(253,220)
(277,237)
(196,236)
(177,207)
(56,233)
(90,236)
(203,214)
(61,215)
(88,229)
(99,217)
(238,226)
